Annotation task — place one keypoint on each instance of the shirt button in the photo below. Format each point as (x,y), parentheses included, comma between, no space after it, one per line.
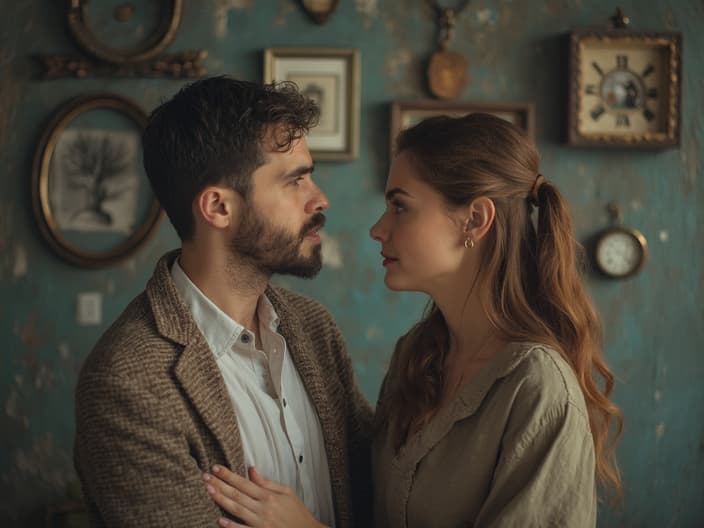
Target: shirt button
(284,401)
(300,459)
(245,338)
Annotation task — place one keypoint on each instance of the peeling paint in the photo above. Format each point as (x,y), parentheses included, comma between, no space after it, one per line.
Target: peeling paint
(664,235)
(11,405)
(64,351)
(285,9)
(397,59)
(332,256)
(19,269)
(222,10)
(374,332)
(658,395)
(486,16)
(368,8)
(660,430)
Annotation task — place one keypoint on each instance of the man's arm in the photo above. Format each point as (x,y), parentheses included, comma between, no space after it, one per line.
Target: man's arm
(359,437)
(133,460)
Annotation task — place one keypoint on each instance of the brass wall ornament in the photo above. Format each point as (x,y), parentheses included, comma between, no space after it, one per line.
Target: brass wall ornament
(111,60)
(319,10)
(624,87)
(153,45)
(91,198)
(447,70)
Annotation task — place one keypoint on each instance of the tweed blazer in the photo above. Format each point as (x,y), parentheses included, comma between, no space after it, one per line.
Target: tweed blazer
(153,412)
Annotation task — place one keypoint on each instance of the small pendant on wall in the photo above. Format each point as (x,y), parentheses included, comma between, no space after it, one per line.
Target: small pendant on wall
(319,10)
(447,70)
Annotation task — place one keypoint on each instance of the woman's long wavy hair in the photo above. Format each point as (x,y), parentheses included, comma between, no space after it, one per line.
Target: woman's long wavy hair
(536,288)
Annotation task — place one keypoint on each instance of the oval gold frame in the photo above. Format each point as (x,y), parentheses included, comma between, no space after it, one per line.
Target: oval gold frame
(154,44)
(40,184)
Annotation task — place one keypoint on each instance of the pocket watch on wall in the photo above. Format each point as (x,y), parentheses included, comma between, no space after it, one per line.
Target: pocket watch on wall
(620,251)
(624,88)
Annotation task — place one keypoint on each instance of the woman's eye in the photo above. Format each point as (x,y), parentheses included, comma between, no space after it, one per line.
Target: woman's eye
(397,207)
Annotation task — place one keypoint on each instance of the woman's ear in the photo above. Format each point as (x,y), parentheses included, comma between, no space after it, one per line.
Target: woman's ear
(216,206)
(479,218)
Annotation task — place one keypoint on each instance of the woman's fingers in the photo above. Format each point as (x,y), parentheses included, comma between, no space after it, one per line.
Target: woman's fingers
(264,482)
(250,489)
(230,492)
(230,505)
(227,523)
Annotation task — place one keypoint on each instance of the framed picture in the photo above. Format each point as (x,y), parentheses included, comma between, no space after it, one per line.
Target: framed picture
(91,198)
(329,76)
(624,89)
(408,113)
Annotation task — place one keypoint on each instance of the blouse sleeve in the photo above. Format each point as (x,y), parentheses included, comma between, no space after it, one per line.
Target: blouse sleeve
(545,474)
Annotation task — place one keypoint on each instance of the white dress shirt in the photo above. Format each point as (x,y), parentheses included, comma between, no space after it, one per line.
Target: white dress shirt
(280,430)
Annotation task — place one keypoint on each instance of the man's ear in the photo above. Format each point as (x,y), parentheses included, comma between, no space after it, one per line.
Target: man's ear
(216,206)
(479,217)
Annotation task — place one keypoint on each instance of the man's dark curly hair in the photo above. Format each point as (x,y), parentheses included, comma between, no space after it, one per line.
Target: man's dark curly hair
(211,132)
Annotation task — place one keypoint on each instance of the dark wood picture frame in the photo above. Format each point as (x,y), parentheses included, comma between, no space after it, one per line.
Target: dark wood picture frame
(404,113)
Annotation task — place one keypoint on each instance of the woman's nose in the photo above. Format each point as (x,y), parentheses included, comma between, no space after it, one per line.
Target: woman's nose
(377,231)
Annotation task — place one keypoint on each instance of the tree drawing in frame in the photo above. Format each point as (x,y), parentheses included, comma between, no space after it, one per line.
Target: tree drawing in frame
(94,180)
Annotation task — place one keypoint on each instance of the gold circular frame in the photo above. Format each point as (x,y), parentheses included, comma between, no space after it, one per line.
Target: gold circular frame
(153,45)
(40,184)
(632,233)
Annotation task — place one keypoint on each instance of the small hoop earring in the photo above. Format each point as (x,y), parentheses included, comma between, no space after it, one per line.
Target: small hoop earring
(468,243)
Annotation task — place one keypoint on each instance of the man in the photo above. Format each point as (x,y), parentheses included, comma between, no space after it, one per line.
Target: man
(211,364)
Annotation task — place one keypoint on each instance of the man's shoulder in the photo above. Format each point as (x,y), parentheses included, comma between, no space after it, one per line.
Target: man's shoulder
(302,305)
(128,346)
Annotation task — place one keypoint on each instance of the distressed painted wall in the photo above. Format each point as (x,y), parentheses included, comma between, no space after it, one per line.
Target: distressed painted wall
(654,329)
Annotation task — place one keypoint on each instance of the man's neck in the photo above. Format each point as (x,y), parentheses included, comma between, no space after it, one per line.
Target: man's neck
(233,287)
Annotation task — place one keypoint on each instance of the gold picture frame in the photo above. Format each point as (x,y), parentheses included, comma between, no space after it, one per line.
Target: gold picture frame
(91,199)
(153,45)
(407,113)
(330,76)
(624,89)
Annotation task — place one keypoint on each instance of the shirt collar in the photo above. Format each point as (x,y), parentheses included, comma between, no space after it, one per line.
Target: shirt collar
(219,329)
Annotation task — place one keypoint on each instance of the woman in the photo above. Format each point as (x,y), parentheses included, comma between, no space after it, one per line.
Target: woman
(490,414)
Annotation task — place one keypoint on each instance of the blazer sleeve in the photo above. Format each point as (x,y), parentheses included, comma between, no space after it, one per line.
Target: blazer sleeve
(133,460)
(545,477)
(359,437)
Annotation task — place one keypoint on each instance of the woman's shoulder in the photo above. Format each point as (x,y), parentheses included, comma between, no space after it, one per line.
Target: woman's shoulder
(544,381)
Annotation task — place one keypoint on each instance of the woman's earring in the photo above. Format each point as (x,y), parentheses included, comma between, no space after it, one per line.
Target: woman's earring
(468,243)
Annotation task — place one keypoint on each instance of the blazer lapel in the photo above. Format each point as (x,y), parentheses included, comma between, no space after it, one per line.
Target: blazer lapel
(301,349)
(202,382)
(195,369)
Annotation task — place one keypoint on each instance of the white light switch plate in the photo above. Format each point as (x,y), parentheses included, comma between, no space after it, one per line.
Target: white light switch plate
(89,308)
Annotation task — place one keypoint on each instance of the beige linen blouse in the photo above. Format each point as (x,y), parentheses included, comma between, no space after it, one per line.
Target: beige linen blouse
(513,449)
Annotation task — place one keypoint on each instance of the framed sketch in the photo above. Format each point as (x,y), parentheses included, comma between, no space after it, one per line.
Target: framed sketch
(329,76)
(91,197)
(408,113)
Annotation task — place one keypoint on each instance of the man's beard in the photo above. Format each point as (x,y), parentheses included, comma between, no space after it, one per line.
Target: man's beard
(271,249)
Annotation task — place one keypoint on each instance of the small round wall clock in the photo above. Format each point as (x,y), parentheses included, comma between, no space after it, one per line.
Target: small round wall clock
(620,252)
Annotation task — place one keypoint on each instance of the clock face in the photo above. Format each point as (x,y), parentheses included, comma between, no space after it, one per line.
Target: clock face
(620,252)
(623,88)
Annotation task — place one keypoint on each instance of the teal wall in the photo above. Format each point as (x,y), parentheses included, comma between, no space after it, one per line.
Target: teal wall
(516,51)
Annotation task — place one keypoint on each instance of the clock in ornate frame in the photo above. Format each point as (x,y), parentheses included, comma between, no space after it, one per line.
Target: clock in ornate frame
(624,89)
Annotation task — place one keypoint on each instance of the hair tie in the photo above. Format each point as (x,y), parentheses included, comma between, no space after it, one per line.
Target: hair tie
(535,190)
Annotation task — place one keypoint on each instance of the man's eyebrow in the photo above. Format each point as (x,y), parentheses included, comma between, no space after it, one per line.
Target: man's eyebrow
(393,192)
(300,171)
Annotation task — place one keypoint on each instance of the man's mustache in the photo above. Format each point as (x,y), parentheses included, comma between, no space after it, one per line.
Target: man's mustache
(317,220)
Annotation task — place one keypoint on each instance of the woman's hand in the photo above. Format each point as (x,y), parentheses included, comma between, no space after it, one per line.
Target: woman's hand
(258,502)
